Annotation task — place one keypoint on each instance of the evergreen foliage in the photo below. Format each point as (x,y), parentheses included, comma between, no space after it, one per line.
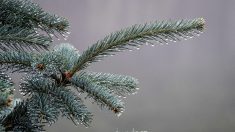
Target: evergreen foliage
(53,75)
(16,61)
(138,35)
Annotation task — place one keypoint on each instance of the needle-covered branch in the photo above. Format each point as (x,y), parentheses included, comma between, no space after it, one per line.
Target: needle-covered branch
(120,84)
(21,120)
(65,100)
(138,35)
(6,92)
(101,94)
(7,104)
(51,75)
(42,105)
(2,128)
(69,52)
(16,61)
(26,14)
(17,38)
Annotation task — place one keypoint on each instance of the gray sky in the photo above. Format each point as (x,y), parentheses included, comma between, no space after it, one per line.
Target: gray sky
(186,86)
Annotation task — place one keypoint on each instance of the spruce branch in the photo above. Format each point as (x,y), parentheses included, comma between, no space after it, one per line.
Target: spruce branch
(42,106)
(4,112)
(5,81)
(17,38)
(6,109)
(7,101)
(120,84)
(26,14)
(2,128)
(6,92)
(21,120)
(48,63)
(66,101)
(16,61)
(69,52)
(53,74)
(61,58)
(101,94)
(138,35)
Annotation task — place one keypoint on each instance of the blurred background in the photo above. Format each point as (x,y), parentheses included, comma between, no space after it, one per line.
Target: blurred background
(186,86)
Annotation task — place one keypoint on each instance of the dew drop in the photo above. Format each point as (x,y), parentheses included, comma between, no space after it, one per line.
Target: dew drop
(152,45)
(161,43)
(119,114)
(134,93)
(51,35)
(68,32)
(40,26)
(65,37)
(130,50)
(138,48)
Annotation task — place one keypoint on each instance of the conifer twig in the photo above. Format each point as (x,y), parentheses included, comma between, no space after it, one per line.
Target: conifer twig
(136,36)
